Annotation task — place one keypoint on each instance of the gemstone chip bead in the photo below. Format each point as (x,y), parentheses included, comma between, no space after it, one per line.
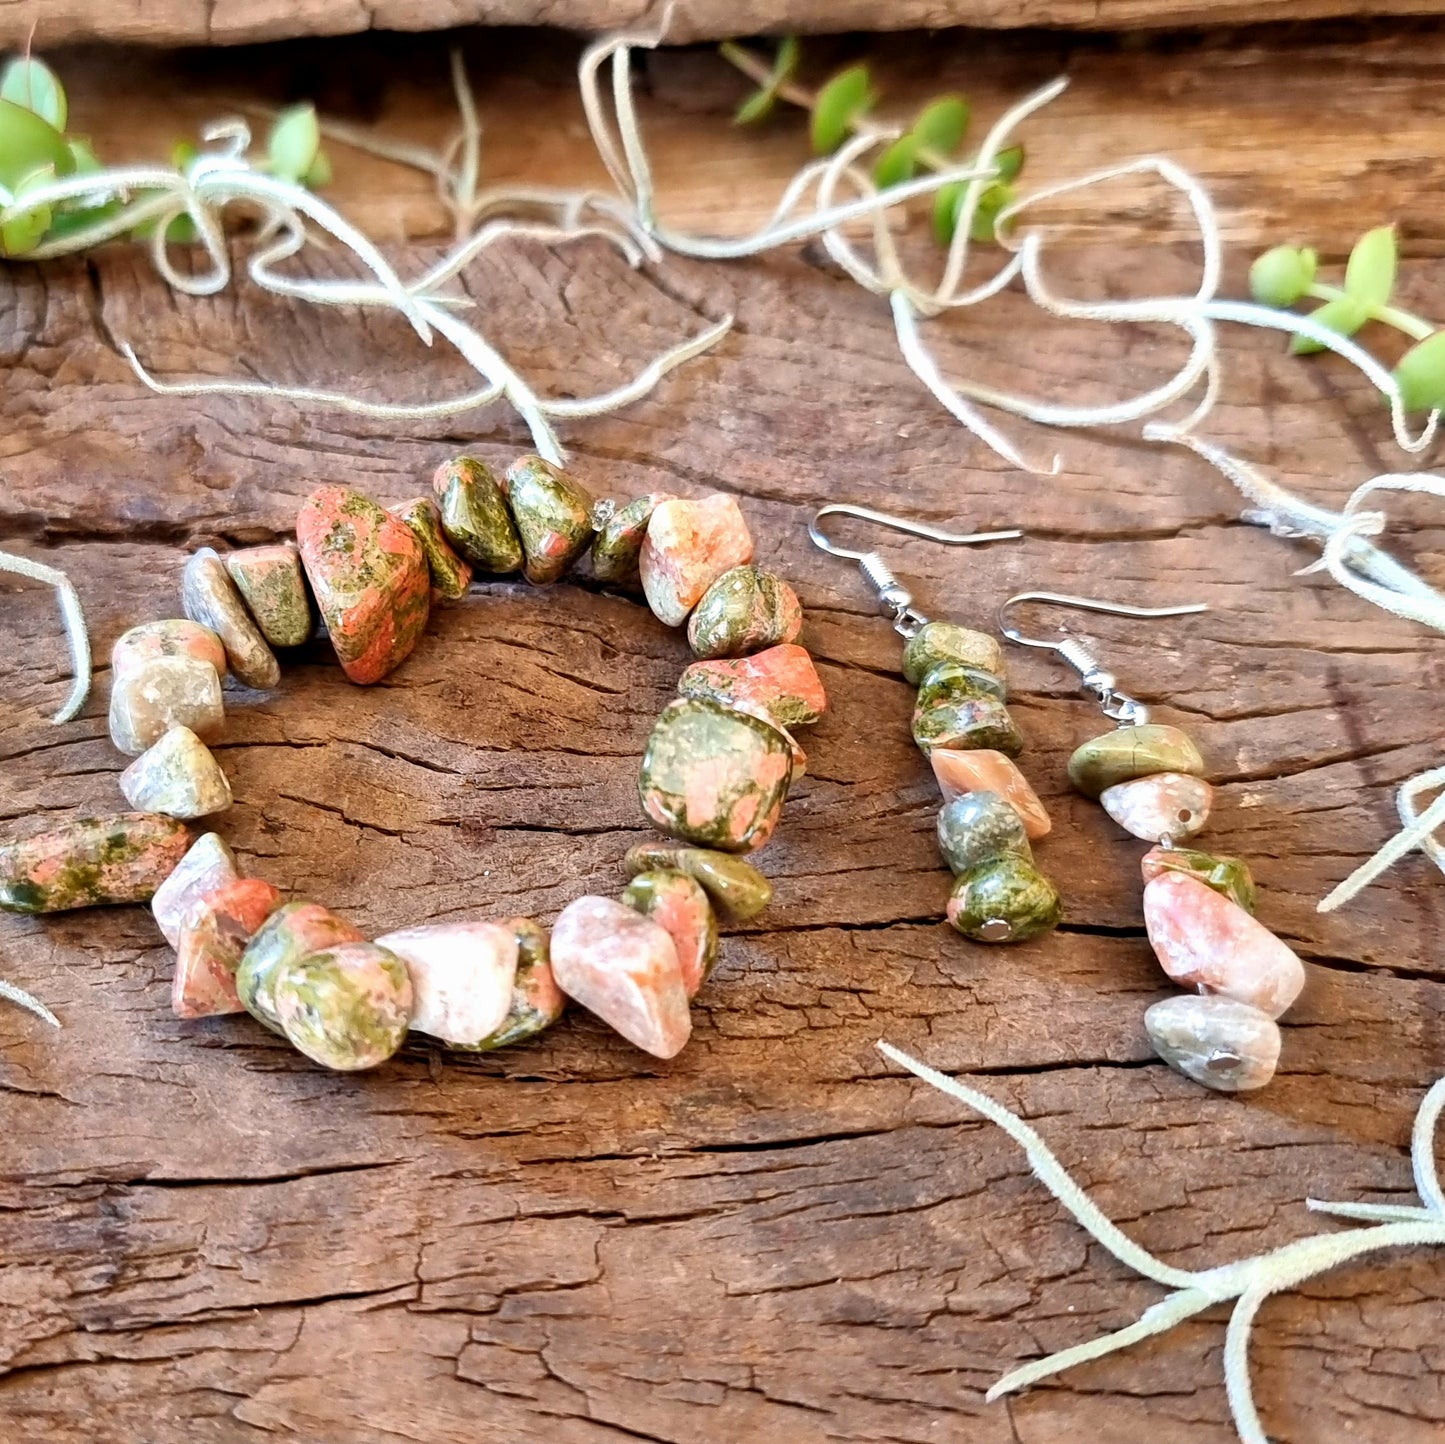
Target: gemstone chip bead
(1004,900)
(715,776)
(688,546)
(1130,752)
(1216,1041)
(209,597)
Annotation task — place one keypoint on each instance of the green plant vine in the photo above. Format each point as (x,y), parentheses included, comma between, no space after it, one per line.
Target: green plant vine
(841,107)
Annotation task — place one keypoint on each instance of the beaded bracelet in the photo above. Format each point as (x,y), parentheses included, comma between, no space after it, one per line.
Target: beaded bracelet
(716,771)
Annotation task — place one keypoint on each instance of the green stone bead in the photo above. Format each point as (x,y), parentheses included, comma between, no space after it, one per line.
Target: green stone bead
(976,722)
(936,642)
(1004,901)
(1130,752)
(977,827)
(450,575)
(537,1001)
(737,887)
(1228,876)
(291,933)
(744,610)
(618,543)
(958,682)
(679,904)
(553,515)
(475,516)
(715,776)
(346,1008)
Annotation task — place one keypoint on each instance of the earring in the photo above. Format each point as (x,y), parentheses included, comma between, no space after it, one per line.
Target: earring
(990,813)
(1198,906)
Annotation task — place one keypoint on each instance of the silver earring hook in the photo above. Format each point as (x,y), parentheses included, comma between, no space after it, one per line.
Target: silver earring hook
(891,592)
(1122,708)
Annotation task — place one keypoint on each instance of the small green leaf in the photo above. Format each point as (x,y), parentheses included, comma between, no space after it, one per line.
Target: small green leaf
(1010,162)
(82,158)
(320,173)
(1421,375)
(845,97)
(946,201)
(1370,274)
(785,64)
(985,219)
(295,138)
(1344,315)
(758,106)
(24,232)
(897,163)
(1282,275)
(941,124)
(34,85)
(26,143)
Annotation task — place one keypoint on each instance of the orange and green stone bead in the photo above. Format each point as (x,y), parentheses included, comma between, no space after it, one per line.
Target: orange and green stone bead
(537,1001)
(474,515)
(271,584)
(936,642)
(736,886)
(714,776)
(1004,900)
(93,862)
(617,547)
(973,722)
(552,512)
(1130,752)
(1229,876)
(681,907)
(450,575)
(346,1008)
(291,933)
(744,610)
(369,576)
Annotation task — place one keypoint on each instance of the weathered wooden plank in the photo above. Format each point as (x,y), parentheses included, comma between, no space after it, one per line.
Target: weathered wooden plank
(204,1238)
(233,22)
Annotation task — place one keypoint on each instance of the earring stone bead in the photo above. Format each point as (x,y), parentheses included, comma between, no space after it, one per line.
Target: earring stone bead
(270,582)
(624,968)
(291,933)
(977,827)
(1164,804)
(781,683)
(211,943)
(92,862)
(150,698)
(209,596)
(959,682)
(177,776)
(744,610)
(1130,752)
(1228,876)
(461,977)
(451,577)
(537,1001)
(552,514)
(984,770)
(715,776)
(688,546)
(1204,940)
(1216,1041)
(978,722)
(678,904)
(1004,900)
(370,579)
(207,867)
(347,1008)
(617,547)
(737,887)
(178,637)
(936,642)
(474,515)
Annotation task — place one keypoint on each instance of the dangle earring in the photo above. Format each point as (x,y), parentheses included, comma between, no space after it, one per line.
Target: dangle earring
(1198,907)
(960,722)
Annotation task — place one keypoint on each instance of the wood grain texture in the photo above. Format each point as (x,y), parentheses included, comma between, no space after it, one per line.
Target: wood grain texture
(205,1239)
(235,22)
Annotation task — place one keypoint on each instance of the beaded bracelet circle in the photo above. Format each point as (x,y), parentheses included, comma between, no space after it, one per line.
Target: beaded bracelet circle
(715,773)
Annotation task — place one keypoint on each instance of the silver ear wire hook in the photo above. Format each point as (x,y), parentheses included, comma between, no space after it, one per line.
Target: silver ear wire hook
(895,597)
(1124,709)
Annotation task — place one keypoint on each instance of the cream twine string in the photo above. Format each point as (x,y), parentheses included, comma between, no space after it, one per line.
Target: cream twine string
(1249,1281)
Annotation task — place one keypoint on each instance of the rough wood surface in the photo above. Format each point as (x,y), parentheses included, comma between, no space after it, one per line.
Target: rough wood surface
(235,22)
(205,1239)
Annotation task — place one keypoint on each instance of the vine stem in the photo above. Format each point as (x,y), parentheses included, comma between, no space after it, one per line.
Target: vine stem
(1412,325)
(755,69)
